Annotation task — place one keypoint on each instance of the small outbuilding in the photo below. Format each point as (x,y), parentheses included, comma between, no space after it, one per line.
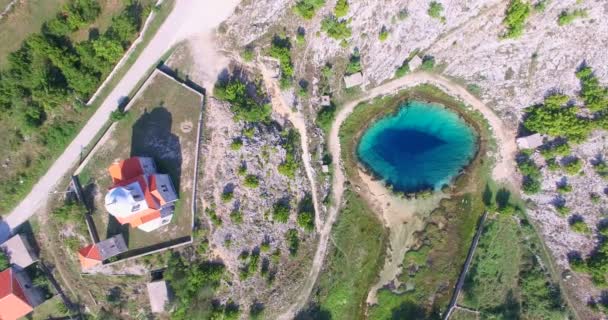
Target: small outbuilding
(158,293)
(325,101)
(530,142)
(353,80)
(414,63)
(19,252)
(95,254)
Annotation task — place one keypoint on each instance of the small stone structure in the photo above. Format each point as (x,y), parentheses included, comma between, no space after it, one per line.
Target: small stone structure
(414,63)
(158,293)
(353,80)
(325,101)
(530,142)
(19,252)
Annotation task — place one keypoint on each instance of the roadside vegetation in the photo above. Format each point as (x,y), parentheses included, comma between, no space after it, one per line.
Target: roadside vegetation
(45,83)
(507,279)
(359,240)
(245,105)
(280,49)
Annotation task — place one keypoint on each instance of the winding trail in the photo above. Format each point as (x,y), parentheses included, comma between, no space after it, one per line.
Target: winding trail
(298,121)
(503,171)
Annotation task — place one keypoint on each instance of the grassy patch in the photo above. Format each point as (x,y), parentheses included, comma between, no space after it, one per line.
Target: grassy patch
(359,242)
(506,279)
(161,125)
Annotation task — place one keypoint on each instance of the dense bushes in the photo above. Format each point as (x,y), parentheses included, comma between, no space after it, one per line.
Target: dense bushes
(597,263)
(517,13)
(307,8)
(325,117)
(531,173)
(341,8)
(243,105)
(435,10)
(280,212)
(592,92)
(567,17)
(290,143)
(293,242)
(46,81)
(191,283)
(354,63)
(336,29)
(555,118)
(281,50)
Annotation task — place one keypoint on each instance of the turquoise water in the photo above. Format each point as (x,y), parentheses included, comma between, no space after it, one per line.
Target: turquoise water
(422,146)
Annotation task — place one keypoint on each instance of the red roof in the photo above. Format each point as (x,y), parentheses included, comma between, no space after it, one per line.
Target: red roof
(126,169)
(13,303)
(89,256)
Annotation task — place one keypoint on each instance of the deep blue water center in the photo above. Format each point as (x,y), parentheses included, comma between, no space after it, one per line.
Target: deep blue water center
(422,146)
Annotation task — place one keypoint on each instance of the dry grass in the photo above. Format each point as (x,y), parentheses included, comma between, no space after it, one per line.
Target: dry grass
(161,124)
(25,18)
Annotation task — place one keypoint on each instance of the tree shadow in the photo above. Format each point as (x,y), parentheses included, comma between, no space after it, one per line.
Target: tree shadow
(487,196)
(152,137)
(502,197)
(409,310)
(313,312)
(114,228)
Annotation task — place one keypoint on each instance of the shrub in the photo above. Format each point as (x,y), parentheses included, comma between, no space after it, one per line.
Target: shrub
(307,8)
(354,63)
(567,17)
(336,29)
(595,198)
(562,209)
(215,219)
(236,216)
(556,119)
(242,170)
(515,19)
(280,49)
(402,70)
(554,150)
(552,164)
(236,144)
(290,165)
(592,92)
(306,220)
(383,35)
(293,242)
(428,63)
(573,167)
(580,226)
(280,212)
(247,54)
(243,105)
(541,5)
(601,169)
(227,196)
(341,8)
(325,117)
(117,115)
(251,181)
(435,10)
(4,261)
(564,188)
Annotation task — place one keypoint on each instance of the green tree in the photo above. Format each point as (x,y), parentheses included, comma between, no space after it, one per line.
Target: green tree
(341,8)
(556,119)
(307,8)
(293,241)
(251,181)
(567,17)
(336,29)
(592,92)
(435,10)
(280,212)
(515,19)
(4,261)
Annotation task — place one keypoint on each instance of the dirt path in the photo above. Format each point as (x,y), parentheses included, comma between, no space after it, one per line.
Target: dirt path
(188,19)
(298,121)
(503,171)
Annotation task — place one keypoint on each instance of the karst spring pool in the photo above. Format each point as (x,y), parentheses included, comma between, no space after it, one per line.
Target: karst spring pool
(422,146)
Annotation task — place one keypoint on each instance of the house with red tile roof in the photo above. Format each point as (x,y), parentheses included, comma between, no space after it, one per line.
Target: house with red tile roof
(14,300)
(140,196)
(95,254)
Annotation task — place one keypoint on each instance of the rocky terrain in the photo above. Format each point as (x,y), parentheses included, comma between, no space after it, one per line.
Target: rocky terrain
(508,75)
(255,232)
